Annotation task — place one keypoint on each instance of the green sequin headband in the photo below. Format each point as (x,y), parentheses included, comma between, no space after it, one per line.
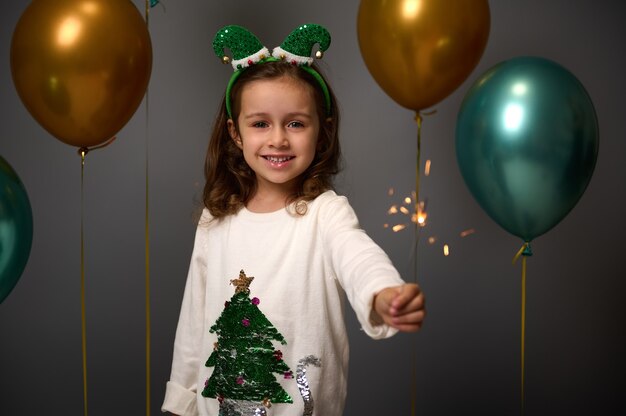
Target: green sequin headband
(247,50)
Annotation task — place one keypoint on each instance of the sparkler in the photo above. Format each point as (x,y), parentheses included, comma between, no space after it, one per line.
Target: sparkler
(418,216)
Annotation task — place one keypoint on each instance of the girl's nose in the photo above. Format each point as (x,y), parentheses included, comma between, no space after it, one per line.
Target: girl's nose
(278,138)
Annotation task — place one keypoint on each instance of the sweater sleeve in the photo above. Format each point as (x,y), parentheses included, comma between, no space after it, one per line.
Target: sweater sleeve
(361,266)
(181,389)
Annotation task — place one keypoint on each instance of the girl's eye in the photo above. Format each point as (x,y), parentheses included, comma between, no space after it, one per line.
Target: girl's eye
(260,124)
(295,124)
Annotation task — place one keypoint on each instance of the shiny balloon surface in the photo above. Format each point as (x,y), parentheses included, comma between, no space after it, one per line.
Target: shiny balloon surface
(527,143)
(81,67)
(420,51)
(16,228)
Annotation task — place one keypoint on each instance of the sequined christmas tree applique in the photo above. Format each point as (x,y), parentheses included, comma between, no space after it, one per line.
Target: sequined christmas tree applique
(244,357)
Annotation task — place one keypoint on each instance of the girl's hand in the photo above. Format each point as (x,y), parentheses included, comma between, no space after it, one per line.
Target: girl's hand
(401,307)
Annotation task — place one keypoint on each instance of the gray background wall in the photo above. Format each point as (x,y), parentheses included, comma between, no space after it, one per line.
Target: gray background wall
(468,352)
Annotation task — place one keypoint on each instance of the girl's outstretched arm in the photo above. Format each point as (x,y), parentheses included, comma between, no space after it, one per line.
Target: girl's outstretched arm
(401,307)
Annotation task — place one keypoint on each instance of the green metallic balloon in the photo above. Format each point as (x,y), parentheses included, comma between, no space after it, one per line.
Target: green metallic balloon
(16,228)
(527,144)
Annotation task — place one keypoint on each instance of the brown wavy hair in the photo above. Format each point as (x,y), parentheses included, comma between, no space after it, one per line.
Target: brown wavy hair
(230,182)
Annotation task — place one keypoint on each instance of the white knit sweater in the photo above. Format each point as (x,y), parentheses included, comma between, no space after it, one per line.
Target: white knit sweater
(303,268)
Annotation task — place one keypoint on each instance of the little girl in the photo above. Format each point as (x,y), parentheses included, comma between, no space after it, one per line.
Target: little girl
(277,251)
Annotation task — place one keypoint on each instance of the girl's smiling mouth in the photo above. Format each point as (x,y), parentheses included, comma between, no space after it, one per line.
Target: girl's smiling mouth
(278,159)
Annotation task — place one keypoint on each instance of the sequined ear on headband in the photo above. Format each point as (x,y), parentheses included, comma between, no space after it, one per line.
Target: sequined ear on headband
(297,47)
(246,50)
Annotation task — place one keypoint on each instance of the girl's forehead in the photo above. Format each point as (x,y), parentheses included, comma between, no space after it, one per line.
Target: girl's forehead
(283,88)
(280,84)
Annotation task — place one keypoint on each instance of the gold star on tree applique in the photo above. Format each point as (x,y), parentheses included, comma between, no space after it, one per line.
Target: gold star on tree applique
(242,283)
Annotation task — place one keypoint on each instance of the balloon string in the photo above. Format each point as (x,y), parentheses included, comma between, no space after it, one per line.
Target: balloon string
(147,282)
(418,208)
(523,335)
(83,152)
(524,251)
(413,380)
(418,119)
(148,13)
(147,242)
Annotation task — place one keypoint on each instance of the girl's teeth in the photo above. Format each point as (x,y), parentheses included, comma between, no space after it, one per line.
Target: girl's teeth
(277,159)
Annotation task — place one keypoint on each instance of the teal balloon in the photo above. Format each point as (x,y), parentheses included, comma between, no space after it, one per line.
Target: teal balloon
(16,228)
(527,144)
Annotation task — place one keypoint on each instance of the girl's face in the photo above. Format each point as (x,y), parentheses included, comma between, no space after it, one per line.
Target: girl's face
(278,130)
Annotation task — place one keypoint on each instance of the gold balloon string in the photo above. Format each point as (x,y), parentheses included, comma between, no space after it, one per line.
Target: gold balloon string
(83,317)
(147,280)
(418,119)
(524,251)
(83,152)
(147,242)
(147,13)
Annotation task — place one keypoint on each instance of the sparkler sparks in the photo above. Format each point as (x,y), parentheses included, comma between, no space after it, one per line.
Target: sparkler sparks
(419,217)
(417,214)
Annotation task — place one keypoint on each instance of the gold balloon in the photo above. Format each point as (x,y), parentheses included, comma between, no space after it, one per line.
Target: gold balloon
(81,67)
(420,51)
